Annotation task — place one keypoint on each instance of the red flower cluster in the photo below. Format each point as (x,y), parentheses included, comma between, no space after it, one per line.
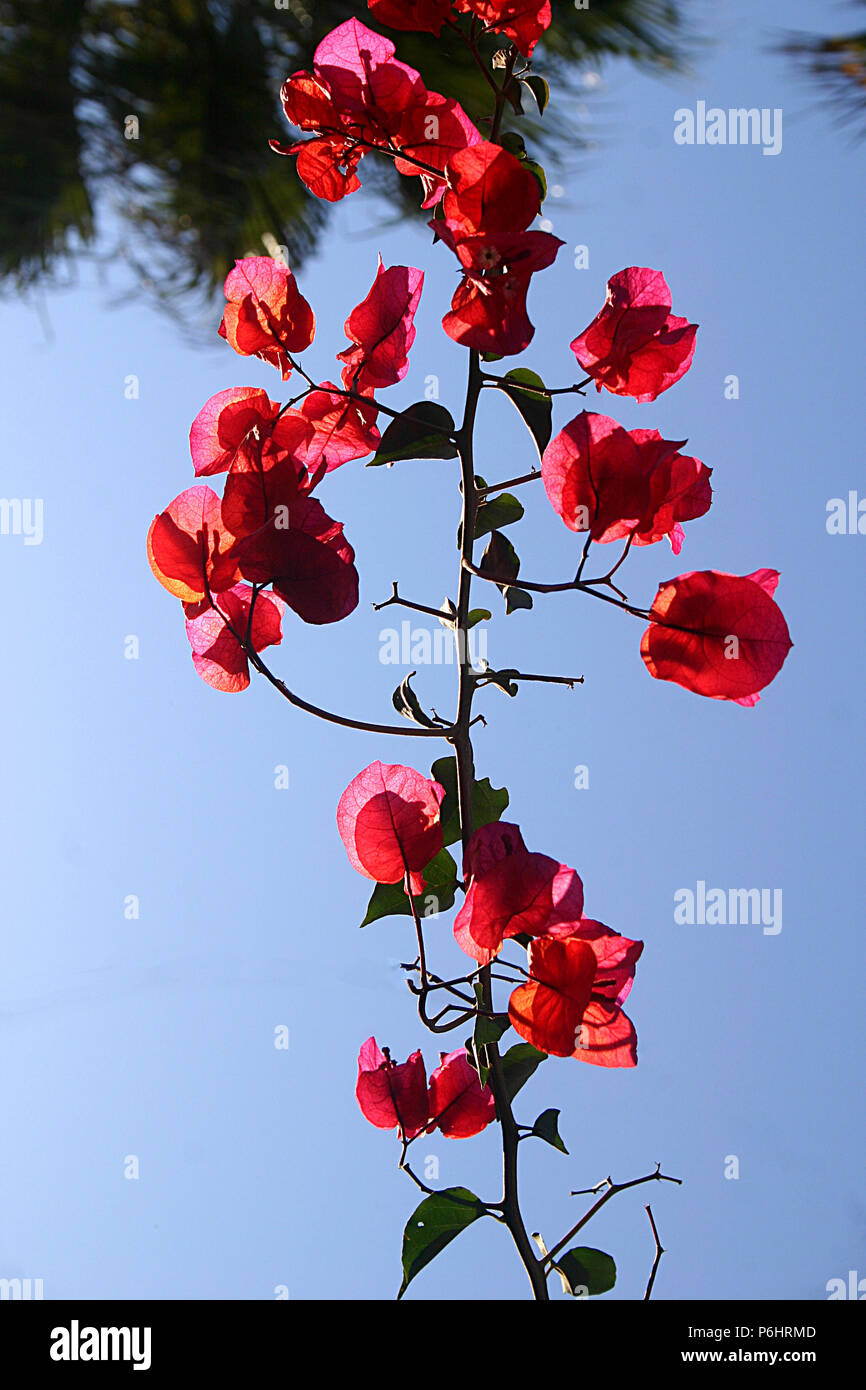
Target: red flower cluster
(579,970)
(267,529)
(571,1006)
(635,346)
(489,203)
(716,634)
(524,21)
(265,315)
(191,554)
(512,892)
(615,483)
(396,1095)
(359,97)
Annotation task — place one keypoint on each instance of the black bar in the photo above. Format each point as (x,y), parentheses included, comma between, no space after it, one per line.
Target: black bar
(233,1337)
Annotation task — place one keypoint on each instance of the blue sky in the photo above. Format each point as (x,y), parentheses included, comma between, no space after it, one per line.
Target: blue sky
(154,1037)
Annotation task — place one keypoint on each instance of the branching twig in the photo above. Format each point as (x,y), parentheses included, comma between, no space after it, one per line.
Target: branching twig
(659,1252)
(416,607)
(570,681)
(510,482)
(612,1189)
(532,586)
(490,379)
(491,1208)
(416,731)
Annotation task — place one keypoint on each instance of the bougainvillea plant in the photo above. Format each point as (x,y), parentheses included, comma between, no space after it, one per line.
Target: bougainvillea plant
(238,562)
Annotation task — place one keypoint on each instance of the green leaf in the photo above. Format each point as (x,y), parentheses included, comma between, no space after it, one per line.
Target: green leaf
(423,436)
(390,900)
(517,598)
(540,89)
(518,1064)
(526,389)
(586,1272)
(538,172)
(478,615)
(514,144)
(499,511)
(433,1225)
(490,1030)
(492,356)
(511,91)
(546,1127)
(476,1052)
(405,702)
(500,558)
(487,1030)
(488,803)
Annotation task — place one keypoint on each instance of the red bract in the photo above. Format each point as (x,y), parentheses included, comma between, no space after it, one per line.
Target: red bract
(490,200)
(266,316)
(432,134)
(612,482)
(489,193)
(288,540)
(364,78)
(593,476)
(358,98)
(717,634)
(459,1105)
(635,346)
(256,493)
(488,309)
(524,21)
(423,16)
(392,1095)
(382,330)
(679,490)
(244,419)
(512,892)
(388,819)
(571,1005)
(343,429)
(215,635)
(327,165)
(607,1037)
(189,549)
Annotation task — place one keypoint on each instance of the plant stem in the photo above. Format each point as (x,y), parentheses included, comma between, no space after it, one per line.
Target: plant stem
(511,482)
(461,738)
(397,598)
(660,1250)
(612,1188)
(583,586)
(343,720)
